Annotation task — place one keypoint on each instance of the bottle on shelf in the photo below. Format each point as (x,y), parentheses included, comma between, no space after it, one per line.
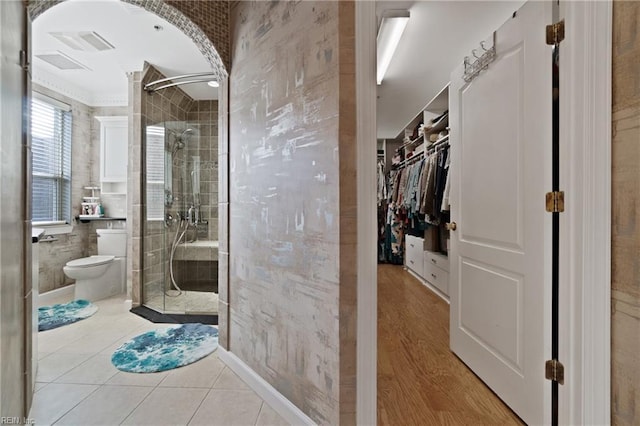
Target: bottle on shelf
(91,206)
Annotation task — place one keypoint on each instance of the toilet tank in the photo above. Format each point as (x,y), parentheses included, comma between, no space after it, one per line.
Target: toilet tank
(112,242)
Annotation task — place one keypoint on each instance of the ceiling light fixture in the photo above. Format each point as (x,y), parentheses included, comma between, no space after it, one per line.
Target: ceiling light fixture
(389,34)
(86,41)
(213,83)
(61,61)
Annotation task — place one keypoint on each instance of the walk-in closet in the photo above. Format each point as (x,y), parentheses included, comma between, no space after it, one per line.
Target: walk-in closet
(465,250)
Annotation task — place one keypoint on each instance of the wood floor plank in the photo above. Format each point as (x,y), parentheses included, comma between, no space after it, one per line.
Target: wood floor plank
(420,381)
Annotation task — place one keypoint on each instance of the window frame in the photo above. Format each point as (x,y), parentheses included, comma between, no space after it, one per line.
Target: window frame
(60,178)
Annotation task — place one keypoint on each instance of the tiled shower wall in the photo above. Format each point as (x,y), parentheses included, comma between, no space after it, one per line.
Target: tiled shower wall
(163,107)
(85,163)
(292,201)
(625,245)
(205,114)
(169,105)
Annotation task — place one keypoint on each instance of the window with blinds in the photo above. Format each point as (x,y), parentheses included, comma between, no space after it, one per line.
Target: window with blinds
(51,166)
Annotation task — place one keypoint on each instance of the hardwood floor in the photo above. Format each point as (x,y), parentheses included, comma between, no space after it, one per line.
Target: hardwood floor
(420,381)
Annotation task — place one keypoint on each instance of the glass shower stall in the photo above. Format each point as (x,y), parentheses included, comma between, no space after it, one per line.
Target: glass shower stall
(179,244)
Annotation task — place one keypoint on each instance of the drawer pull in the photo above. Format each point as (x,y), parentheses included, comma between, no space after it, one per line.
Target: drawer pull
(411,261)
(411,245)
(434,276)
(434,261)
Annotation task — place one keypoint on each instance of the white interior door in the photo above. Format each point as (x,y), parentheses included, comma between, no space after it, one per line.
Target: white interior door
(500,253)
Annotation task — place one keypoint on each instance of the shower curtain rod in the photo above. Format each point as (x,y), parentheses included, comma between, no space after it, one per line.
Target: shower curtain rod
(148,87)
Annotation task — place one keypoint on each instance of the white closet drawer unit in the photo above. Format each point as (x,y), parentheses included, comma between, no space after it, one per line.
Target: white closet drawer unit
(414,254)
(437,259)
(434,272)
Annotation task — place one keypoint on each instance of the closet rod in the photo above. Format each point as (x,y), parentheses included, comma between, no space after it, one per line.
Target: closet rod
(436,145)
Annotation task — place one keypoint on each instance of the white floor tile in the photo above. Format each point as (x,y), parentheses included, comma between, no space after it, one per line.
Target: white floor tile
(53,340)
(268,417)
(167,406)
(228,408)
(42,355)
(54,400)
(95,371)
(81,352)
(137,379)
(39,385)
(92,343)
(229,380)
(109,405)
(200,374)
(57,364)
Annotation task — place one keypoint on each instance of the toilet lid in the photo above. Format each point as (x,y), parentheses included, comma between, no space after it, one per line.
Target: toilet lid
(90,261)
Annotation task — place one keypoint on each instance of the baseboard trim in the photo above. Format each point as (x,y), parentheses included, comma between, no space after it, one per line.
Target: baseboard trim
(268,393)
(49,296)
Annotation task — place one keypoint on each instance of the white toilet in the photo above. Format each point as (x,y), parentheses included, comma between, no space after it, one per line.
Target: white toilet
(104,275)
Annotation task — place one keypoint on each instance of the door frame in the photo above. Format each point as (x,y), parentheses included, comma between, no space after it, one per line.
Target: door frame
(585,247)
(367,269)
(585,226)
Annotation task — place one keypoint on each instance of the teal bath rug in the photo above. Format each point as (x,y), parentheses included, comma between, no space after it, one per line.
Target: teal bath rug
(62,314)
(166,348)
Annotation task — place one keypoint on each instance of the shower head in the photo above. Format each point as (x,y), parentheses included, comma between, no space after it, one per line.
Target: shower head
(179,139)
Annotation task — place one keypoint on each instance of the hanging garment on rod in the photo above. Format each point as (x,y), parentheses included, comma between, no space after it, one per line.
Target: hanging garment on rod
(445,207)
(382,182)
(434,182)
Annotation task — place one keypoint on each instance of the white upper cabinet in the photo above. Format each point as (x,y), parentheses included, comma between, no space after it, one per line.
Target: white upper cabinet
(114,146)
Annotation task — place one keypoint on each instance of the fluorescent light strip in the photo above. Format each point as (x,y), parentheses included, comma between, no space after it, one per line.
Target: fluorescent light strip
(389,34)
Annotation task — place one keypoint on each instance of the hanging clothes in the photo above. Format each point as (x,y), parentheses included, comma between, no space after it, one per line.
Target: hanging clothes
(411,199)
(445,207)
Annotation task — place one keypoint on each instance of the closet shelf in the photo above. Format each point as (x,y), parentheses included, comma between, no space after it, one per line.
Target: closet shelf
(439,125)
(411,142)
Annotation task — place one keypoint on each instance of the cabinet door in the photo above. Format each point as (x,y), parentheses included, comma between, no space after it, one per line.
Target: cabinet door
(113,153)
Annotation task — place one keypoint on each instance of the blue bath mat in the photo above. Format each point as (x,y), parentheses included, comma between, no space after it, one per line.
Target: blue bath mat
(62,314)
(166,348)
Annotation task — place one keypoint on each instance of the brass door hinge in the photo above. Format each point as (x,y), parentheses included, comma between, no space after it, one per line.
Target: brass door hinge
(554,371)
(555,33)
(555,201)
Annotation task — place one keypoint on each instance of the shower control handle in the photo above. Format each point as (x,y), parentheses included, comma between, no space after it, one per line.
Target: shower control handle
(168,219)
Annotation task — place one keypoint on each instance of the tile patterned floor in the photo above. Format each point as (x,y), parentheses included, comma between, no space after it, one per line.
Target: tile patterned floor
(188,302)
(78,385)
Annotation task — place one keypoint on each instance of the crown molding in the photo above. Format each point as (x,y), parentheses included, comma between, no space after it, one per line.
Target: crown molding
(67,88)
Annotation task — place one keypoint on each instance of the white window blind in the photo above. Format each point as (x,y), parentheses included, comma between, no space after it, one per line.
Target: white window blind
(155,172)
(51,166)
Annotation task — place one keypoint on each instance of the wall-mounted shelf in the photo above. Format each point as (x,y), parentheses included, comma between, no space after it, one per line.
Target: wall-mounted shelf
(87,219)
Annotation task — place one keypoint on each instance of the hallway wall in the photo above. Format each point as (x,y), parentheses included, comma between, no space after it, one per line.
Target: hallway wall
(625,245)
(292,201)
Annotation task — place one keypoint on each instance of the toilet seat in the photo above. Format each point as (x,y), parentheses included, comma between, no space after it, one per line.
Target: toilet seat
(90,261)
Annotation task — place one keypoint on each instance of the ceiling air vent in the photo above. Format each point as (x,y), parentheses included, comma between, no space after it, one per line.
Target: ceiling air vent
(86,41)
(61,61)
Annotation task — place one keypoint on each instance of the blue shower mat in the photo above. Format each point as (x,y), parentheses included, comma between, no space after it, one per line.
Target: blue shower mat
(66,313)
(166,348)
